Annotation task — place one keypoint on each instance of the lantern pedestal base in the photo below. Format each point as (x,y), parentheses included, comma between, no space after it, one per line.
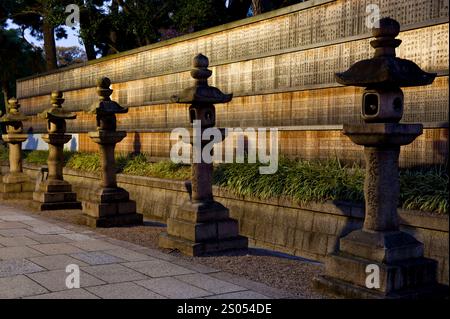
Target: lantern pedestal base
(394,260)
(55,195)
(16,186)
(202,228)
(112,208)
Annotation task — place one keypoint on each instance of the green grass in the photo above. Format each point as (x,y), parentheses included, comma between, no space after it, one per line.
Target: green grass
(425,189)
(3,153)
(140,166)
(305,181)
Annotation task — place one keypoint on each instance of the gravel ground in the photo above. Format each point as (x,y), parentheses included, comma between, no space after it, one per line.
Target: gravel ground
(291,274)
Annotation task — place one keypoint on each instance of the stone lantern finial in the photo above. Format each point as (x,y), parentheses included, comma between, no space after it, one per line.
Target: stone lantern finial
(201,72)
(386,42)
(201,93)
(56,99)
(103,89)
(13,118)
(106,109)
(13,106)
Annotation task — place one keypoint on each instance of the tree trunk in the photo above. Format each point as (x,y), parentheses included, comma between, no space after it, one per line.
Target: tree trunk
(5,93)
(238,9)
(261,6)
(257,7)
(90,50)
(49,45)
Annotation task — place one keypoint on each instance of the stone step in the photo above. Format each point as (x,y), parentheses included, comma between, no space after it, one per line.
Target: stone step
(394,276)
(197,232)
(55,197)
(57,206)
(191,248)
(99,210)
(114,221)
(340,288)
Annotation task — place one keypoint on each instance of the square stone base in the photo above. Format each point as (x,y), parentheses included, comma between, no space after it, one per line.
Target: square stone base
(202,228)
(16,191)
(55,195)
(191,248)
(112,211)
(394,259)
(56,206)
(341,288)
(114,221)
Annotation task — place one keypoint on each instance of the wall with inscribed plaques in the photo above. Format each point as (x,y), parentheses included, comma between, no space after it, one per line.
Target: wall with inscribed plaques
(280,67)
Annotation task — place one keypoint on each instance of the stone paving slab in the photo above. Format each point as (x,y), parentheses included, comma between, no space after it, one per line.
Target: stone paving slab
(56,249)
(114,273)
(18,252)
(55,280)
(174,288)
(97,258)
(19,286)
(158,268)
(66,294)
(35,251)
(14,267)
(55,262)
(17,241)
(125,290)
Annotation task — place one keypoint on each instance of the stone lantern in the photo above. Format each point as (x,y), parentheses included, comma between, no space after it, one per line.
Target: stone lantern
(55,193)
(380,252)
(109,206)
(15,184)
(202,225)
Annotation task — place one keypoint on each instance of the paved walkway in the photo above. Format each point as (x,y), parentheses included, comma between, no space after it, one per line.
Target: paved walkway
(34,254)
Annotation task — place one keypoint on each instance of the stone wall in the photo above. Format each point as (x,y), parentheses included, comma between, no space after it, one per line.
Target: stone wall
(309,231)
(280,67)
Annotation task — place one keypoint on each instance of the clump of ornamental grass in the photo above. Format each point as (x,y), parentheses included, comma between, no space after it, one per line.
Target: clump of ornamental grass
(139,165)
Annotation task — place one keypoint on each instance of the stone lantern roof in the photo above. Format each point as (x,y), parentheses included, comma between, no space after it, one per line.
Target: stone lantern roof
(201,92)
(56,112)
(13,116)
(106,106)
(385,69)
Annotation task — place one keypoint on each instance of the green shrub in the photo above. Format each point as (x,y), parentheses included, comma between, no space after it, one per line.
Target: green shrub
(36,157)
(87,162)
(302,180)
(3,153)
(425,189)
(305,181)
(139,165)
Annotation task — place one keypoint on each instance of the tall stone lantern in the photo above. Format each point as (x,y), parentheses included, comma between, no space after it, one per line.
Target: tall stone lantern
(110,205)
(15,184)
(202,225)
(55,193)
(379,260)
